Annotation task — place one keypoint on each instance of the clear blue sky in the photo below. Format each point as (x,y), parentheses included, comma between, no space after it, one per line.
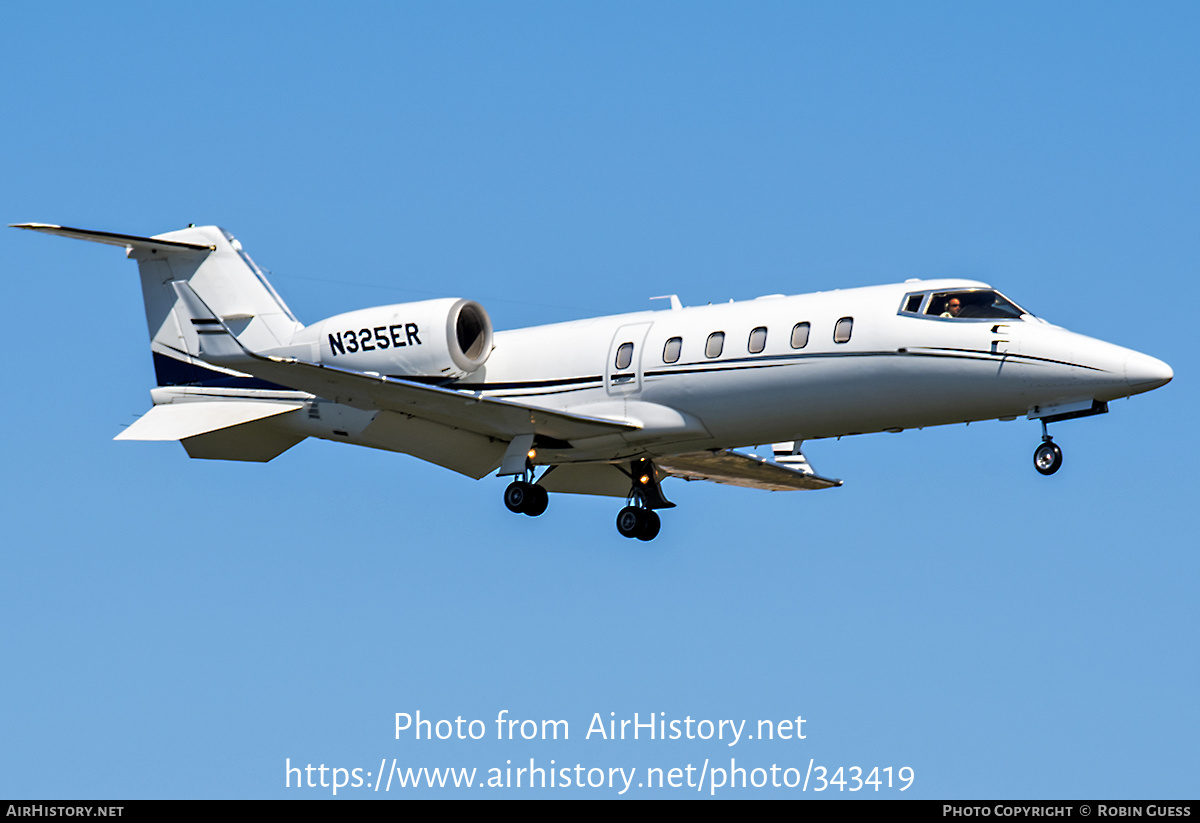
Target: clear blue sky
(180,628)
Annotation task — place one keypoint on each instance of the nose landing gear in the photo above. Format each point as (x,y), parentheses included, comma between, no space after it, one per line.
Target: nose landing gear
(1047,457)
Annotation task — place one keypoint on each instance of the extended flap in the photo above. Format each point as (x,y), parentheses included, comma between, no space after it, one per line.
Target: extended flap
(741,469)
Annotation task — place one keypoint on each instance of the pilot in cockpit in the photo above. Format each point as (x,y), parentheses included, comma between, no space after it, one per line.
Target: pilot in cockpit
(972,304)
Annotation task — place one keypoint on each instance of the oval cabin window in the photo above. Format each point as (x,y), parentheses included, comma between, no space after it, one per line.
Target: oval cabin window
(671,349)
(715,344)
(800,335)
(624,356)
(758,340)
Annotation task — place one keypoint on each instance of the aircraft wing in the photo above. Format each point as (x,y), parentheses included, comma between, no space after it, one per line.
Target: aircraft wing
(740,469)
(469,410)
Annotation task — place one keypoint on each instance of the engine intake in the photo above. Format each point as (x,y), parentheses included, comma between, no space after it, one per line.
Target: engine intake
(447,338)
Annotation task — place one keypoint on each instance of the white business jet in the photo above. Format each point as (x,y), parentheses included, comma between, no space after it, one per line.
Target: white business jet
(607,406)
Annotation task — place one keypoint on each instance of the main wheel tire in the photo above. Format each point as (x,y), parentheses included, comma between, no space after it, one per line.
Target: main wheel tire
(537,500)
(629,521)
(1048,457)
(650,525)
(517,496)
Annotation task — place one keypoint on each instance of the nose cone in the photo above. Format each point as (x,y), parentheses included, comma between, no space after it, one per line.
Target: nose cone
(1143,373)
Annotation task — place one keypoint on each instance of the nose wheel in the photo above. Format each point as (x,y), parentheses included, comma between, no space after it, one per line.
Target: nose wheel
(1047,457)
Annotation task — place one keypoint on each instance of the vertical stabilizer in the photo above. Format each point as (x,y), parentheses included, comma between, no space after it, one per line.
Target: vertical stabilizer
(211,262)
(229,283)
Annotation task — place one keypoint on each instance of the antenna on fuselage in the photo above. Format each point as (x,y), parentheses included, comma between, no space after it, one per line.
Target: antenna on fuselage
(674,298)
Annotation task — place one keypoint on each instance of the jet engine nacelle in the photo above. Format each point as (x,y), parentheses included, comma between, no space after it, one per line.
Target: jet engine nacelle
(450,337)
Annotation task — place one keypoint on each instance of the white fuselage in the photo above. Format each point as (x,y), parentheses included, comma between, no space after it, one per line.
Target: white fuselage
(895,371)
(898,369)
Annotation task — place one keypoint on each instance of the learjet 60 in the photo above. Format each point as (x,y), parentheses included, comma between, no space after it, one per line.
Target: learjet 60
(606,406)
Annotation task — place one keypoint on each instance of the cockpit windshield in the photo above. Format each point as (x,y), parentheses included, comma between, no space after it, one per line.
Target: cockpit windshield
(972,304)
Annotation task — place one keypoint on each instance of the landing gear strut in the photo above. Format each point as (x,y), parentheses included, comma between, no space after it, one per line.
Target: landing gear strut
(522,496)
(638,518)
(1047,457)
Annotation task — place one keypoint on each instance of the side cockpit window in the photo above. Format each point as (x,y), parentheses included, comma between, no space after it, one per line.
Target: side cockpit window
(962,304)
(977,304)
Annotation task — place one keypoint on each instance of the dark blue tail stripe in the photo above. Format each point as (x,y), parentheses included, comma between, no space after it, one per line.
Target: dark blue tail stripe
(171,372)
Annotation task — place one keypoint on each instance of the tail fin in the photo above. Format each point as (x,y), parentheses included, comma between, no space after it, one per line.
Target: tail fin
(211,261)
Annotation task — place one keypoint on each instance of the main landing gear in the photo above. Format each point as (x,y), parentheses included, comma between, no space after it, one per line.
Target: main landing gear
(638,518)
(523,497)
(640,523)
(1047,457)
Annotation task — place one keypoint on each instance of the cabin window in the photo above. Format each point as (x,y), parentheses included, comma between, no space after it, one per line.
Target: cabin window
(841,332)
(716,342)
(758,340)
(672,349)
(624,356)
(800,335)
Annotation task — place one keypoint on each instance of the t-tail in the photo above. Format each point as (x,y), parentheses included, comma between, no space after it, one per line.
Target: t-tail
(212,263)
(215,411)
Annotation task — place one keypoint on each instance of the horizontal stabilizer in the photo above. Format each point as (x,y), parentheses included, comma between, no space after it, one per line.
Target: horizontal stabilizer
(132,241)
(740,469)
(176,421)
